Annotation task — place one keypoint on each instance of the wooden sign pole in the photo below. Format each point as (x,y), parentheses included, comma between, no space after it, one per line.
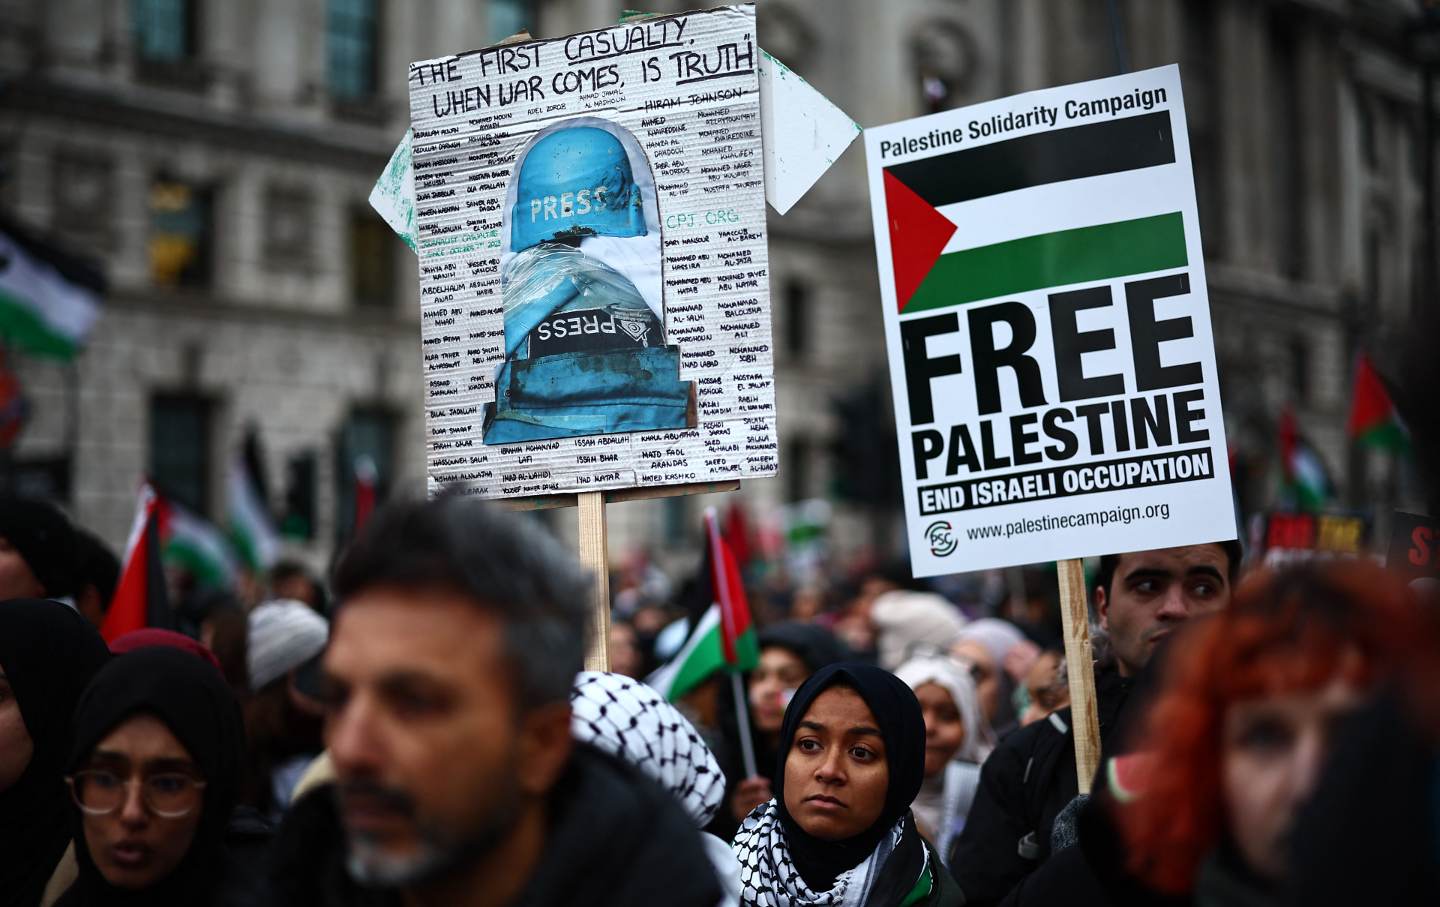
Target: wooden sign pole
(594,554)
(594,548)
(1080,659)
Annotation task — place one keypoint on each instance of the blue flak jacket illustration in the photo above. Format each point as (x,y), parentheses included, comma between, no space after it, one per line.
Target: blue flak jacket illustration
(585,349)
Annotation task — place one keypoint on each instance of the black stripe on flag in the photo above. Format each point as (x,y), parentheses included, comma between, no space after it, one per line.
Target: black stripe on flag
(1074,152)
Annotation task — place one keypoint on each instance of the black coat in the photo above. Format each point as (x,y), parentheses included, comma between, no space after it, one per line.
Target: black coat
(614,838)
(1024,784)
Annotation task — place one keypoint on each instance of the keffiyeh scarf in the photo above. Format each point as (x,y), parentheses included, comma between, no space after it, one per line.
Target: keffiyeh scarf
(768,877)
(630,720)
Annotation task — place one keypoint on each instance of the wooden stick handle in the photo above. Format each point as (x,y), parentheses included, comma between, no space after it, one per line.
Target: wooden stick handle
(1080,661)
(595,555)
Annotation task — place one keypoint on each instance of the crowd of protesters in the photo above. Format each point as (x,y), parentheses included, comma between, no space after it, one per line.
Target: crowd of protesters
(418,730)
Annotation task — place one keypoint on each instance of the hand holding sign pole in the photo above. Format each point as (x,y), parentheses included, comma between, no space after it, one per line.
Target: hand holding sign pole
(1051,355)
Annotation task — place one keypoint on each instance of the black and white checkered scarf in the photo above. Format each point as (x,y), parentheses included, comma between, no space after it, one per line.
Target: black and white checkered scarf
(630,720)
(768,877)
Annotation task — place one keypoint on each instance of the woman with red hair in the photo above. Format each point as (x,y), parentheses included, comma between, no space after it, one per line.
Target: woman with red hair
(1237,736)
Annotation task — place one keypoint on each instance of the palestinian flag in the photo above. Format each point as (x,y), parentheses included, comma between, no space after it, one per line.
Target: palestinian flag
(723,637)
(1306,481)
(48,300)
(248,520)
(925,200)
(198,546)
(140,596)
(1373,420)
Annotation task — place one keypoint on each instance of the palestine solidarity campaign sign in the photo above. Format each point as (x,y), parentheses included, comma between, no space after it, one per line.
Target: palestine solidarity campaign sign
(1048,325)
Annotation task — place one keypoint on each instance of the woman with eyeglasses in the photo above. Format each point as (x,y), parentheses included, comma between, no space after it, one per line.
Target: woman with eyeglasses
(48,653)
(154,774)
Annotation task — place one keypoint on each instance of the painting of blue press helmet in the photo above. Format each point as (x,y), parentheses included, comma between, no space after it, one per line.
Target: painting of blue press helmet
(580,277)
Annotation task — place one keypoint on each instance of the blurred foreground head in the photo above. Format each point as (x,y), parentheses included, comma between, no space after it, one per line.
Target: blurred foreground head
(448,675)
(1240,729)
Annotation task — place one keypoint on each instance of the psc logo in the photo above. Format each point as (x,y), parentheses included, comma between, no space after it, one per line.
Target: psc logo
(941,537)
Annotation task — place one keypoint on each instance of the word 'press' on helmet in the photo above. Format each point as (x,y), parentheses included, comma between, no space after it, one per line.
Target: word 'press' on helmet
(575,182)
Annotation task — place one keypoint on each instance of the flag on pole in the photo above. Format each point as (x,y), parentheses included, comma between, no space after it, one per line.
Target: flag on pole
(1306,481)
(724,636)
(1373,420)
(197,545)
(140,597)
(248,519)
(48,300)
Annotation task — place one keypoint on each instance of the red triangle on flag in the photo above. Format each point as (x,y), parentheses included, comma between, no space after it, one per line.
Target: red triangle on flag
(1369,405)
(918,233)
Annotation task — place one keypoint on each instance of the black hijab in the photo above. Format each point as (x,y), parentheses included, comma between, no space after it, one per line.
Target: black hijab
(193,700)
(48,652)
(902,727)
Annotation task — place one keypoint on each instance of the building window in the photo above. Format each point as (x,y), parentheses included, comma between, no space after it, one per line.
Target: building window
(1365,122)
(508,17)
(83,188)
(1287,164)
(372,259)
(797,317)
(1299,369)
(165,30)
(364,463)
(1199,72)
(797,470)
(300,492)
(352,40)
(180,448)
(289,227)
(181,233)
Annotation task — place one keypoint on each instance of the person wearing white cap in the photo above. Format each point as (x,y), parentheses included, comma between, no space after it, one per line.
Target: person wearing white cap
(283,717)
(908,621)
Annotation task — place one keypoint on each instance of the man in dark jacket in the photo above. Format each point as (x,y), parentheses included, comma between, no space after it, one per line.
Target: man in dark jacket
(448,680)
(1141,598)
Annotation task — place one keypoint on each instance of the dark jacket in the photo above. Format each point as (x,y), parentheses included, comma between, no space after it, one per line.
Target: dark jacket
(1024,784)
(1091,871)
(614,838)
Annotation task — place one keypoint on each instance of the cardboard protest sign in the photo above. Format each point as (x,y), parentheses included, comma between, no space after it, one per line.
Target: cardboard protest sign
(803,133)
(1048,325)
(590,224)
(1281,538)
(1414,540)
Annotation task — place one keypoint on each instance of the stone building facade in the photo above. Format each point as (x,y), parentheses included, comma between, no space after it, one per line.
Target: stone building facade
(217,156)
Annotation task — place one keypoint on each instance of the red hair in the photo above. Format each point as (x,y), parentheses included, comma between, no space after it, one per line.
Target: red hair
(1285,632)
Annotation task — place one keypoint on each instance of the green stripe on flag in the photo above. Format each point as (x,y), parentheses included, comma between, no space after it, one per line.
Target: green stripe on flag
(22,325)
(201,564)
(1079,255)
(1385,436)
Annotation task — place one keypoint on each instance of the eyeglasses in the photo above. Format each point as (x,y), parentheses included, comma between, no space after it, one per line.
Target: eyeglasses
(168,795)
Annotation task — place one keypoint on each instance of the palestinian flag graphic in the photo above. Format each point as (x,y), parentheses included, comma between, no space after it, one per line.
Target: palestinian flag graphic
(49,300)
(723,638)
(1373,421)
(925,200)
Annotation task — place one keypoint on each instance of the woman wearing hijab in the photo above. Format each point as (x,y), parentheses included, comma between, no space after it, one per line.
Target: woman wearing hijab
(998,655)
(48,653)
(839,830)
(154,771)
(790,651)
(957,740)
